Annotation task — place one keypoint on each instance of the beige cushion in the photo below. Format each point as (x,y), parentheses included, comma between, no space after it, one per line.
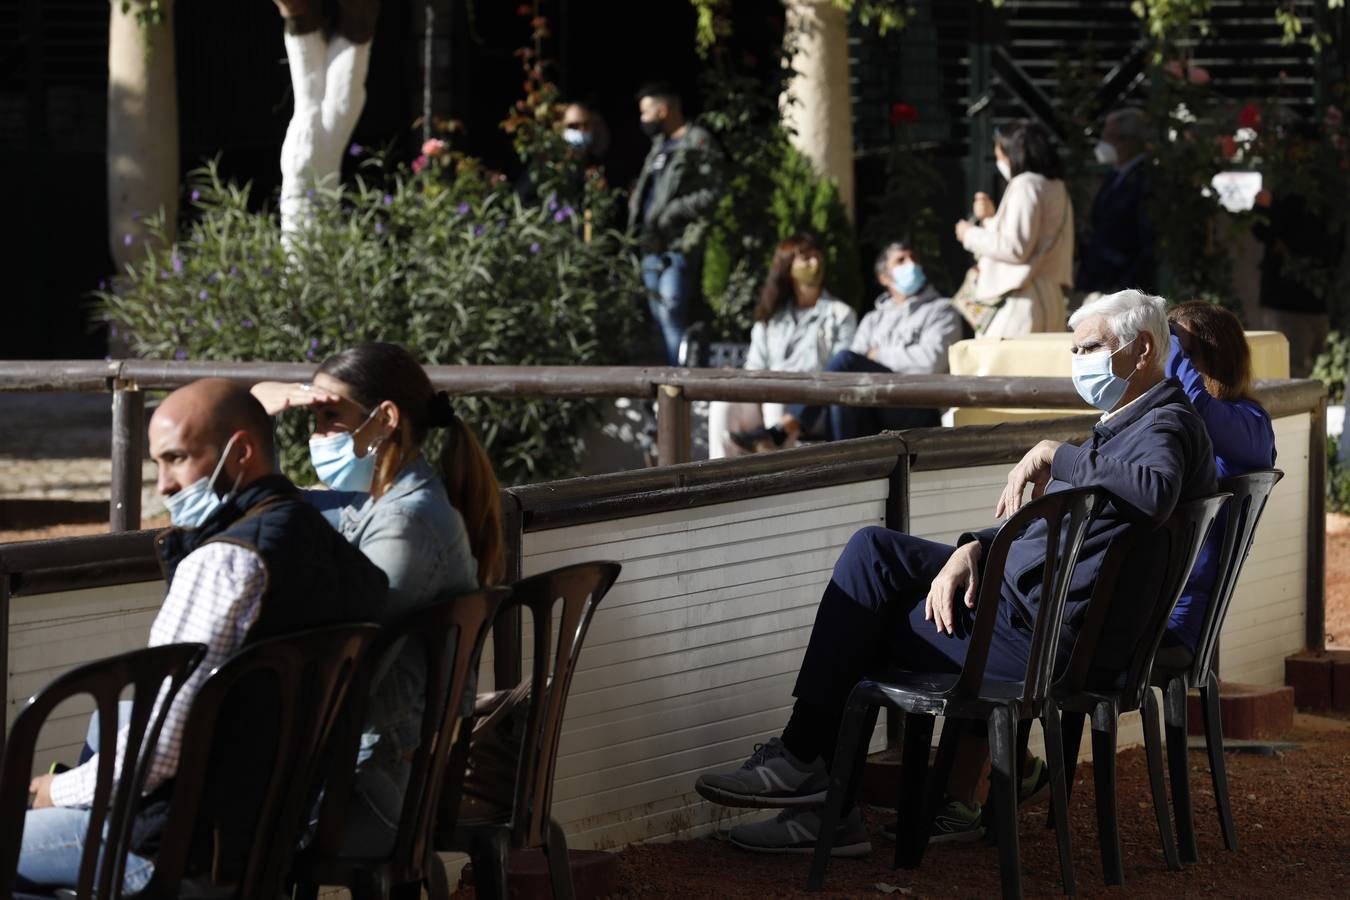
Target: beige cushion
(1048,355)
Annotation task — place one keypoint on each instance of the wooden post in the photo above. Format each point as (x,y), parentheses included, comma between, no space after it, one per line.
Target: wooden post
(506,628)
(674,434)
(4,656)
(1316,620)
(128,449)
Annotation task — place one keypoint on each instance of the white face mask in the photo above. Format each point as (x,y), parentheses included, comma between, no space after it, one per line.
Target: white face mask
(1004,169)
(1106,153)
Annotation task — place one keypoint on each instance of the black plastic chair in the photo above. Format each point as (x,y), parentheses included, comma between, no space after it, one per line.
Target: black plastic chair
(1250,493)
(452,632)
(698,352)
(301,681)
(149,673)
(578,589)
(1183,534)
(970,696)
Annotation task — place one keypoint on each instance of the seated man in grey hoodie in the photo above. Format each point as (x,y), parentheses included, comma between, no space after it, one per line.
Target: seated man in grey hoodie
(907,332)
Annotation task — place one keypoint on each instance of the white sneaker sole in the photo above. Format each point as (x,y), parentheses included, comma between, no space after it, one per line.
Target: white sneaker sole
(844,851)
(757,801)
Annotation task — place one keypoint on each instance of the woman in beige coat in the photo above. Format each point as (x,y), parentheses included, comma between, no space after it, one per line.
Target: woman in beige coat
(1024,249)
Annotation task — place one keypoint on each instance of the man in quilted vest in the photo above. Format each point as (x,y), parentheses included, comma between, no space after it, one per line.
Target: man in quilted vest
(247,559)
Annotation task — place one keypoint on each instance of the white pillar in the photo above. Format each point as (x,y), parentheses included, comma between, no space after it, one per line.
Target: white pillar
(820,113)
(142,129)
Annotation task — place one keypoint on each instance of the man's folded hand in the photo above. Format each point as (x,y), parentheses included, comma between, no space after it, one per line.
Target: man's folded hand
(960,577)
(1033,469)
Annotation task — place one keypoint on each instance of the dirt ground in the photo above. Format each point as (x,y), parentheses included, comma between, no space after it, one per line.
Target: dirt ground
(1292,822)
(1338,580)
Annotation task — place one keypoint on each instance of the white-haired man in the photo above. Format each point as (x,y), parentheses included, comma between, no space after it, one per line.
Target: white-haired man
(895,599)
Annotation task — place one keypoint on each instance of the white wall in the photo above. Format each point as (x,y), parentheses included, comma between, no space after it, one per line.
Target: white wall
(692,655)
(53,633)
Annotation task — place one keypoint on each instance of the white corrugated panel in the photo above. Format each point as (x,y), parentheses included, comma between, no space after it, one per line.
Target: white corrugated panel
(691,657)
(52,633)
(1267,620)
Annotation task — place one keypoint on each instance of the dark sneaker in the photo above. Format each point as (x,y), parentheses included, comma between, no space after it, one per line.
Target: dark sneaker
(795,831)
(755,439)
(1035,786)
(772,777)
(955,823)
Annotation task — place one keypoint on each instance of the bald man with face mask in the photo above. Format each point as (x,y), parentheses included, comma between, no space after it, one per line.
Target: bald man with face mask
(247,559)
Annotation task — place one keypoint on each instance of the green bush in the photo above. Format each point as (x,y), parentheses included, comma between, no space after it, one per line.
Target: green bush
(1330,366)
(446,262)
(1338,479)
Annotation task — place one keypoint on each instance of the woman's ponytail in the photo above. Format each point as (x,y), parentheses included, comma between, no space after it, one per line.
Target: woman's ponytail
(474,492)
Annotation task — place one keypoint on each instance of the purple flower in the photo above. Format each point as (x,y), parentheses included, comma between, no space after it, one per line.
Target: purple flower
(477,230)
(234,271)
(163,274)
(192,323)
(202,294)
(180,354)
(135,217)
(102,285)
(534,247)
(177,264)
(310,193)
(126,240)
(388,199)
(314,343)
(356,150)
(552,204)
(112,331)
(216,323)
(379,228)
(462,208)
(211,279)
(196,195)
(309,354)
(247,323)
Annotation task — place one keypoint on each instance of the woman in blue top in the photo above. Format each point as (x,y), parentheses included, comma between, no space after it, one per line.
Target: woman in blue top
(431,529)
(1210,357)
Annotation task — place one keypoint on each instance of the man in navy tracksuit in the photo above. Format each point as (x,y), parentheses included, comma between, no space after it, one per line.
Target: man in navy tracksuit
(902,600)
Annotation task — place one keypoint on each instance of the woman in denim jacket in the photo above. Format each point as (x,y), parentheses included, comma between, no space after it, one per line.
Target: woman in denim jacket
(433,530)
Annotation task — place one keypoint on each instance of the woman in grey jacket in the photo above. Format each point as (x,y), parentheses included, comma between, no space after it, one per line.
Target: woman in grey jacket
(432,530)
(798,328)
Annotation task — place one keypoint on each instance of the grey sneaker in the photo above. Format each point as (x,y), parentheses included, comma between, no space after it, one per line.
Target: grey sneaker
(795,831)
(771,778)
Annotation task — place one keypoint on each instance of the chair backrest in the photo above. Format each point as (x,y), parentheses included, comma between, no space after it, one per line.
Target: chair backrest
(1250,493)
(578,589)
(1067,515)
(1186,530)
(306,676)
(451,631)
(697,351)
(154,675)
(1183,534)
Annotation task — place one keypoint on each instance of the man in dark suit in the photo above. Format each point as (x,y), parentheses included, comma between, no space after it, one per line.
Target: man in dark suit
(1119,250)
(896,599)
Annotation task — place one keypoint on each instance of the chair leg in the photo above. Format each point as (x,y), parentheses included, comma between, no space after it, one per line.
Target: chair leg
(860,715)
(1104,721)
(911,831)
(437,882)
(1003,790)
(489,855)
(559,866)
(370,883)
(1209,699)
(1175,719)
(1071,732)
(1059,793)
(1153,753)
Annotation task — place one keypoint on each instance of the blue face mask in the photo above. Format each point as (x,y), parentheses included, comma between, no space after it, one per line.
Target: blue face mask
(575,137)
(194,504)
(336,463)
(1094,380)
(908,278)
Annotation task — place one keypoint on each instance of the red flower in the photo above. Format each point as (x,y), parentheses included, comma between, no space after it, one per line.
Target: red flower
(1229,145)
(1250,116)
(903,112)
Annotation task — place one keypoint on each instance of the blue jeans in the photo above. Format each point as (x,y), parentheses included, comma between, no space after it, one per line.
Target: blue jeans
(672,282)
(53,840)
(840,423)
